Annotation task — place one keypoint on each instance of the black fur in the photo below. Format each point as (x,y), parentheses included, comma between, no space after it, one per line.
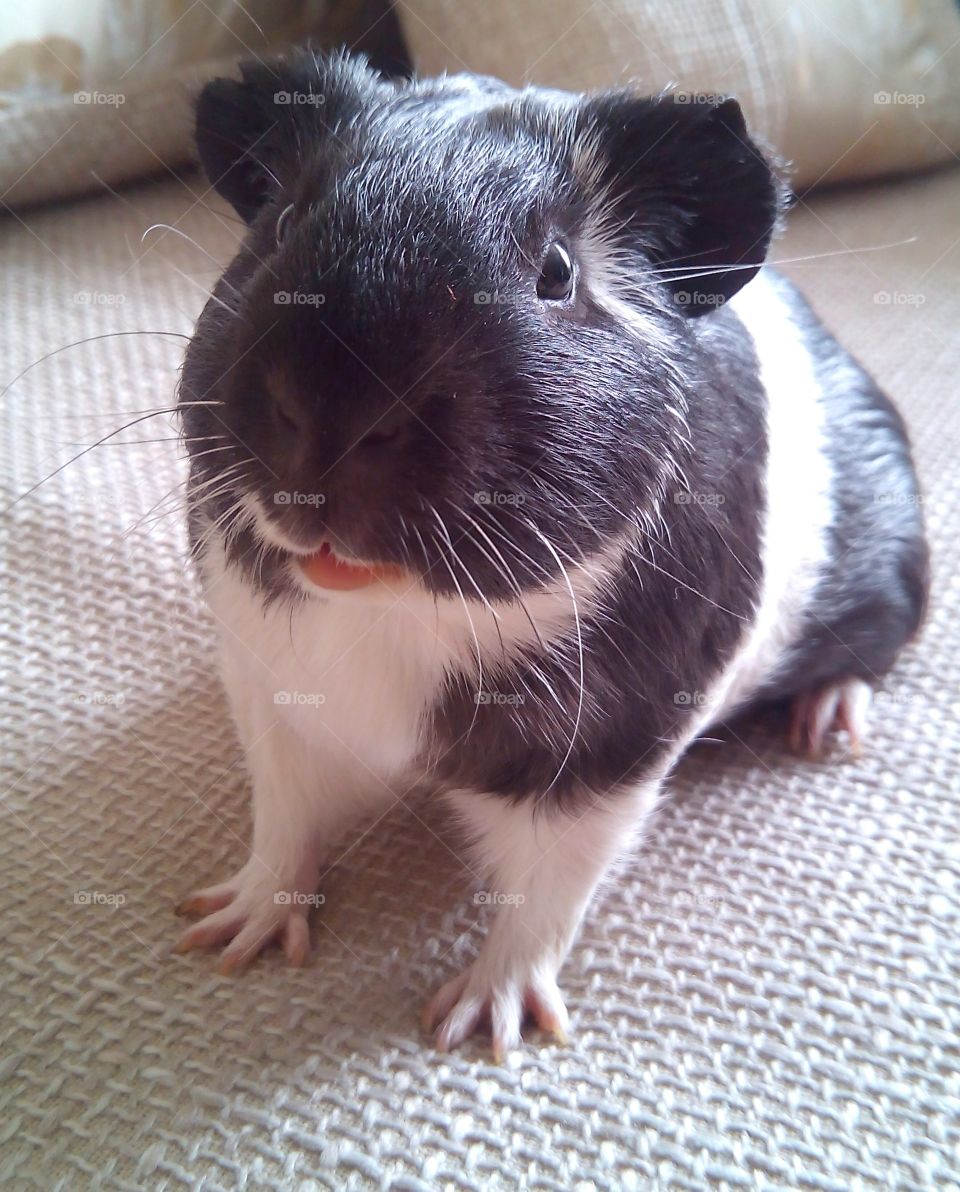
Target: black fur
(674,614)
(446,420)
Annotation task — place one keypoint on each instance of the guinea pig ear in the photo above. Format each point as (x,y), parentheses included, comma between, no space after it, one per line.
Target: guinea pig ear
(680,181)
(251,133)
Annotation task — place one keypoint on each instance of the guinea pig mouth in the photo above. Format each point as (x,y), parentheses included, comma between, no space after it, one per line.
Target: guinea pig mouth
(326,570)
(333,568)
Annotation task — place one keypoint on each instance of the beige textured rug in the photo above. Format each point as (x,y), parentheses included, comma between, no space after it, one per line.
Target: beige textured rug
(767,997)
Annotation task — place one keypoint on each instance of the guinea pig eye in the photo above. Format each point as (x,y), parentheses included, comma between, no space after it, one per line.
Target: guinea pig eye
(556,275)
(283,223)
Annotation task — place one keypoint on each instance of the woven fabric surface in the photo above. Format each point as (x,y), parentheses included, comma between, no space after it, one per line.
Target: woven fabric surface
(766,996)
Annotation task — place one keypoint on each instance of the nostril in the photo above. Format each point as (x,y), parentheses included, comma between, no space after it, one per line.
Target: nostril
(379,436)
(285,417)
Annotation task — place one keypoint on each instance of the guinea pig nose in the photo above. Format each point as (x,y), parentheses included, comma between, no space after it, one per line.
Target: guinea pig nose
(288,417)
(379,435)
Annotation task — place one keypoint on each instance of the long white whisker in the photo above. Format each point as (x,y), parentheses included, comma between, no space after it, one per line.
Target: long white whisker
(476,639)
(503,569)
(190,240)
(466,571)
(576,616)
(79,343)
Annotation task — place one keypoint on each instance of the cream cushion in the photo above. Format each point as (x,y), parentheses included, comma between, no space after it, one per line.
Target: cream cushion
(99,91)
(841,90)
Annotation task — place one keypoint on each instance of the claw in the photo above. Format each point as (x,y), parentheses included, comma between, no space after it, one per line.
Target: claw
(245,915)
(843,705)
(473,999)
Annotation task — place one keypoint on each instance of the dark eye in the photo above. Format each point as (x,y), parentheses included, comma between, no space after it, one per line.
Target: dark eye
(283,223)
(556,275)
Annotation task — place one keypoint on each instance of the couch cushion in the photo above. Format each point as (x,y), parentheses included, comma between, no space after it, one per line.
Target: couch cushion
(841,90)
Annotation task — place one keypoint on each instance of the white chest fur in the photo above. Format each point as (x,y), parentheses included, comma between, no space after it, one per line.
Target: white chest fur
(358,671)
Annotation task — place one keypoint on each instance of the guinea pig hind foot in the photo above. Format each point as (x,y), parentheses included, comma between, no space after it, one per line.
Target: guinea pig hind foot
(840,705)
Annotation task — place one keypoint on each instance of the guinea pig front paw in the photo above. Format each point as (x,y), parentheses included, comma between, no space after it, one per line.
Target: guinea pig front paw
(246,913)
(479,1000)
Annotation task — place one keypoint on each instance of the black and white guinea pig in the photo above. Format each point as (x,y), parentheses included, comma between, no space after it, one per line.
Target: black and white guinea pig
(511,473)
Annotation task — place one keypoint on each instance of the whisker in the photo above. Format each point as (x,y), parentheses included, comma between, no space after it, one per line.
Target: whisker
(190,240)
(576,616)
(73,459)
(208,294)
(79,343)
(466,571)
(473,630)
(707,270)
(224,480)
(93,415)
(503,569)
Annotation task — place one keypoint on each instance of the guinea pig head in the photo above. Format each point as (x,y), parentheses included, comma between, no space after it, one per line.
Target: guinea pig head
(455,335)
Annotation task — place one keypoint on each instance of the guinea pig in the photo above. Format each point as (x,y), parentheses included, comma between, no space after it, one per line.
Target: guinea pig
(512,471)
